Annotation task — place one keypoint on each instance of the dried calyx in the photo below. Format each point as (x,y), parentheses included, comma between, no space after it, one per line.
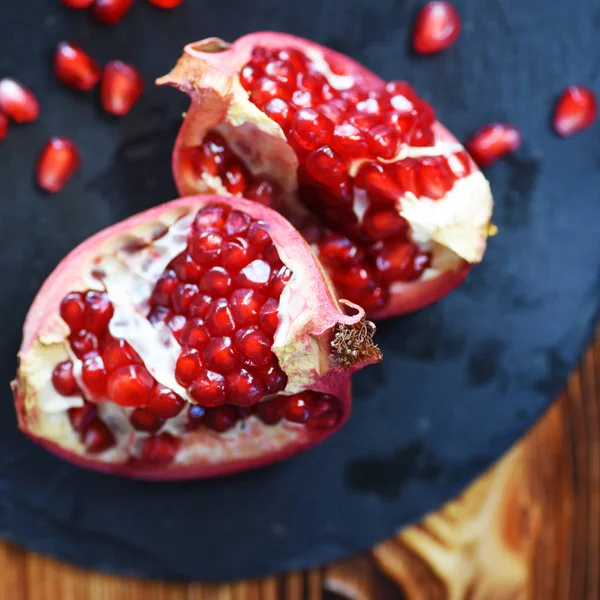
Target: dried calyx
(395,208)
(196,339)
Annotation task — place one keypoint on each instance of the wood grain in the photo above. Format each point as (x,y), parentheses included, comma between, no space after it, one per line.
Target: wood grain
(529,528)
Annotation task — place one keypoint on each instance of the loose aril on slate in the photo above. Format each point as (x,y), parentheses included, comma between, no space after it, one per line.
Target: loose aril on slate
(111,11)
(365,161)
(3,126)
(75,67)
(576,109)
(167,4)
(56,164)
(201,311)
(120,88)
(492,142)
(17,102)
(436,27)
(78,3)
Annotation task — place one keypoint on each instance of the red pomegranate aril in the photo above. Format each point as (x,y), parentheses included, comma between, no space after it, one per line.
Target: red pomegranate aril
(220,355)
(398,262)
(460,164)
(99,311)
(364,121)
(176,324)
(436,28)
(274,379)
(236,223)
(182,297)
(165,286)
(208,388)
(337,250)
(165,403)
(377,179)
(75,67)
(165,4)
(97,437)
(188,366)
(121,87)
(349,141)
(62,379)
(221,418)
(236,254)
(325,420)
(262,191)
(205,248)
(194,334)
(78,3)
(3,126)
(245,305)
(280,111)
(492,142)
(199,306)
(130,386)
(219,319)
(279,281)
(243,388)
(304,99)
(383,142)
(83,342)
(17,102)
(143,419)
(435,177)
(235,179)
(93,375)
(281,70)
(254,346)
(216,282)
(118,353)
(407,174)
(576,109)
(111,11)
(82,416)
(269,412)
(381,223)
(420,136)
(72,311)
(258,238)
(269,317)
(297,408)
(311,129)
(159,449)
(266,89)
(352,278)
(56,164)
(212,217)
(186,269)
(254,275)
(326,166)
(249,75)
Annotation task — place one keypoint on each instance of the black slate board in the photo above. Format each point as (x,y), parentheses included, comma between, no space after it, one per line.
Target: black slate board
(461,381)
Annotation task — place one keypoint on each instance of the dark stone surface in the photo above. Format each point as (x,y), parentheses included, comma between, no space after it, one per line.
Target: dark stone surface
(461,380)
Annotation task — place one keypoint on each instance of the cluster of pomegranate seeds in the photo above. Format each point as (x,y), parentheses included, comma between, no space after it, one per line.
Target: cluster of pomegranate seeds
(17,102)
(436,28)
(56,164)
(121,87)
(75,67)
(576,109)
(492,142)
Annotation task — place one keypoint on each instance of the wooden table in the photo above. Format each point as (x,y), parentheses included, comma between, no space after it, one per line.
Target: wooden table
(528,528)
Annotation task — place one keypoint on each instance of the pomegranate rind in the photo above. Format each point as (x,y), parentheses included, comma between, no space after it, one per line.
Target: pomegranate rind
(208,72)
(305,349)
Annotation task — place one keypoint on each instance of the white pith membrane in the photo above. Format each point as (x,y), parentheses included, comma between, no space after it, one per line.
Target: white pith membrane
(453,228)
(129,278)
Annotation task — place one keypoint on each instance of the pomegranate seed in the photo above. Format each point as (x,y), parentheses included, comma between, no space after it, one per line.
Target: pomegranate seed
(492,142)
(249,75)
(199,306)
(303,99)
(235,179)
(205,248)
(258,237)
(220,355)
(93,375)
(72,311)
(165,286)
(186,269)
(254,346)
(75,67)
(436,28)
(17,102)
(275,380)
(165,403)
(182,296)
(376,178)
(57,162)
(3,126)
(187,367)
(208,388)
(255,275)
(166,4)
(266,89)
(130,386)
(269,318)
(352,278)
(326,166)
(82,416)
(121,87)
(349,141)
(575,110)
(118,353)
(261,191)
(78,3)
(281,70)
(245,305)
(435,177)
(111,11)
(62,379)
(143,419)
(176,324)
(236,254)
(280,111)
(216,281)
(400,262)
(243,388)
(97,437)
(159,314)
(98,311)
(219,319)
(83,342)
(236,223)
(383,142)
(280,280)
(407,174)
(159,449)
(459,164)
(381,223)
(269,412)
(194,334)
(337,250)
(311,129)
(221,418)
(296,408)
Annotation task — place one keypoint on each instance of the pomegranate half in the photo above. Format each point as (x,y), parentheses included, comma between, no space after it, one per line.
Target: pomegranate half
(395,208)
(195,339)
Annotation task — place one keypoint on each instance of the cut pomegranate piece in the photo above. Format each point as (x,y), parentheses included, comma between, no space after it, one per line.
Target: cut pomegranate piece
(576,109)
(121,87)
(436,28)
(58,161)
(345,154)
(75,67)
(3,126)
(111,11)
(492,142)
(162,371)
(17,102)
